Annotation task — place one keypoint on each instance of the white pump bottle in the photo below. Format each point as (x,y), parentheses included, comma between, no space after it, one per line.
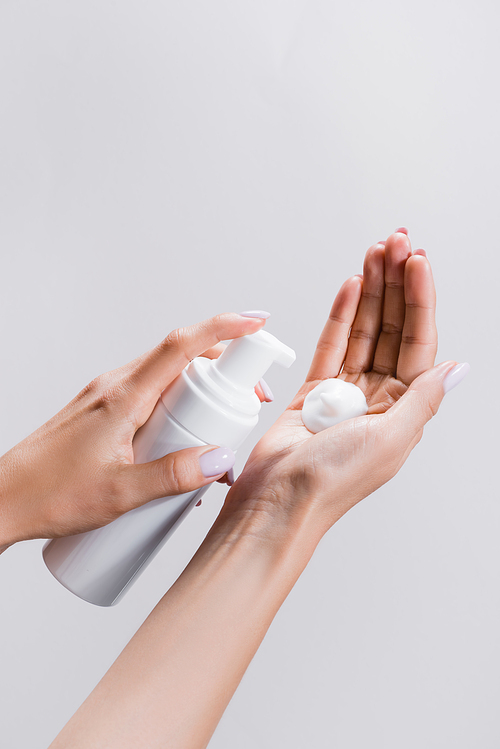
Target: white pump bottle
(211,402)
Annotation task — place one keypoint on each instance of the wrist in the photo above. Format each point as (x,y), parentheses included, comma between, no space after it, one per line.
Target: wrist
(9,531)
(295,503)
(281,526)
(6,538)
(253,556)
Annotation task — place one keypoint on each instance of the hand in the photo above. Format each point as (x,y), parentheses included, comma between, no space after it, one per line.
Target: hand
(201,636)
(77,471)
(389,353)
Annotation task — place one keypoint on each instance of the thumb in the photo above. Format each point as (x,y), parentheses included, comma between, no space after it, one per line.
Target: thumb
(176,473)
(421,401)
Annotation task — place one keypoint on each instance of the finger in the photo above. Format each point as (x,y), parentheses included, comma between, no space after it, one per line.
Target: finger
(397,251)
(215,351)
(228,478)
(176,473)
(408,416)
(366,327)
(158,367)
(264,391)
(332,344)
(419,340)
(410,447)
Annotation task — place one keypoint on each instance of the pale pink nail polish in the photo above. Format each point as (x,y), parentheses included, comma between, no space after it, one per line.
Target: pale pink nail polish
(216,461)
(401,230)
(420,252)
(256,313)
(455,376)
(268,393)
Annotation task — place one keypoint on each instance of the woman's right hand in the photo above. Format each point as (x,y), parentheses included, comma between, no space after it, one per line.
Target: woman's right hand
(380,335)
(77,472)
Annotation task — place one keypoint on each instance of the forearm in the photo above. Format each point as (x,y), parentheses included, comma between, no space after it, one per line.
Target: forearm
(173,681)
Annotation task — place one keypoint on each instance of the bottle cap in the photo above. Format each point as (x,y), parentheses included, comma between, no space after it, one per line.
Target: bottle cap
(215,398)
(248,358)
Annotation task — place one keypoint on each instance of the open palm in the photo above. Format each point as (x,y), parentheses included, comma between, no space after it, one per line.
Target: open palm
(380,335)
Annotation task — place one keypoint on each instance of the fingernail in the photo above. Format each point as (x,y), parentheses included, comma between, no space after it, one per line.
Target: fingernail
(217,461)
(198,504)
(256,313)
(455,376)
(420,252)
(401,230)
(359,275)
(230,476)
(381,241)
(268,393)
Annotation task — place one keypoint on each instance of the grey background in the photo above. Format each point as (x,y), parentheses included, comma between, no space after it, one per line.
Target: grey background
(164,161)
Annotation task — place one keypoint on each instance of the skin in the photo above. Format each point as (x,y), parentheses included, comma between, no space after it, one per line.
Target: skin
(171,684)
(391,310)
(77,472)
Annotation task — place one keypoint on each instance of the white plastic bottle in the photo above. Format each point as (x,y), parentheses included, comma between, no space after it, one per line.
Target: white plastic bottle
(211,402)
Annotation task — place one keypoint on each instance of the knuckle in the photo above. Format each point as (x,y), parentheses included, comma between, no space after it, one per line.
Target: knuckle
(372,296)
(219,320)
(383,369)
(354,366)
(173,476)
(117,494)
(391,328)
(101,392)
(326,346)
(114,496)
(175,339)
(414,340)
(338,318)
(418,306)
(372,254)
(431,410)
(94,386)
(395,284)
(107,397)
(178,342)
(362,335)
(426,407)
(216,327)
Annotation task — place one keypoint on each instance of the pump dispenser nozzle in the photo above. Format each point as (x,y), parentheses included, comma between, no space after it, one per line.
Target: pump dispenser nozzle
(248,358)
(215,398)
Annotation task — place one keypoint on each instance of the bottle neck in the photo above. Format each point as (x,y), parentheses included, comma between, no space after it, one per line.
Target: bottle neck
(210,407)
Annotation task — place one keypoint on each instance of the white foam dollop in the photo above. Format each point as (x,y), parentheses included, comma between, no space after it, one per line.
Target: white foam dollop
(331,402)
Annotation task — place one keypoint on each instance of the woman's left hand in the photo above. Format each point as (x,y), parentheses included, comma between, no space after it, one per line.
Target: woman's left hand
(381,336)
